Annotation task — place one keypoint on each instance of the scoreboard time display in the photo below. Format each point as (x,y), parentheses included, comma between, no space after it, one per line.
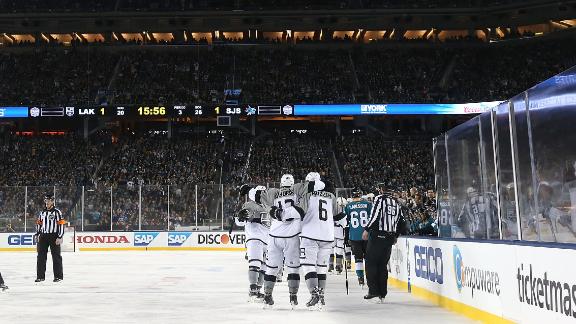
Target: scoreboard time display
(146,111)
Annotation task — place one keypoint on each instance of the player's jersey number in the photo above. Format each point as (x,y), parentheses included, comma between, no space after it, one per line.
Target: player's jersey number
(358,219)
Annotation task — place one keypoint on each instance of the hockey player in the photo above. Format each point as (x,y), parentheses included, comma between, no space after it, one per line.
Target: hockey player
(256,222)
(478,214)
(358,214)
(339,248)
(284,243)
(317,239)
(2,285)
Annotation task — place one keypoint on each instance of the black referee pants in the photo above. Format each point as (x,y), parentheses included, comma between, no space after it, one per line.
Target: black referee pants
(46,241)
(377,256)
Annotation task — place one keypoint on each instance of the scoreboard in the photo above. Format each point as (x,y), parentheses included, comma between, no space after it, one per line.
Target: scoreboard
(145,111)
(214,110)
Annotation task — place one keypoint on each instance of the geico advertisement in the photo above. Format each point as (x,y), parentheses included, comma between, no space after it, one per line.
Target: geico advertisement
(22,240)
(471,273)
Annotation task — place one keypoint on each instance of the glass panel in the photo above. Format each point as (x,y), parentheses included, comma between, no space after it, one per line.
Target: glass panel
(125,208)
(524,174)
(154,208)
(552,116)
(231,206)
(97,208)
(473,207)
(488,173)
(35,201)
(12,202)
(441,171)
(506,175)
(209,207)
(69,201)
(182,207)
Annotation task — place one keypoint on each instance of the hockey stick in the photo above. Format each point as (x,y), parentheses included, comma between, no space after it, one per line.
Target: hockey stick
(346,274)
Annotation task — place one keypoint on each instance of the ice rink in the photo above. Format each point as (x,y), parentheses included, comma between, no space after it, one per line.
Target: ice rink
(183,287)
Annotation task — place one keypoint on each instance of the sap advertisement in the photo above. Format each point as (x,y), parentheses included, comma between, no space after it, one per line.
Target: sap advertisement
(395,109)
(489,282)
(110,241)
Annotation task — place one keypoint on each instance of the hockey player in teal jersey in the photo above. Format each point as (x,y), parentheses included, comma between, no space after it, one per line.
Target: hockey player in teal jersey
(358,214)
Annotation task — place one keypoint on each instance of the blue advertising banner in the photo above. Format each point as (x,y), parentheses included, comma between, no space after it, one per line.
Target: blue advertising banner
(394,109)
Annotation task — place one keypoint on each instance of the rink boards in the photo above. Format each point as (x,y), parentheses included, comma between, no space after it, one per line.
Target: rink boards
(133,241)
(495,282)
(490,281)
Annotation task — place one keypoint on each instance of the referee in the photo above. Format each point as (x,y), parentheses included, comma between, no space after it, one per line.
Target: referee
(50,231)
(385,225)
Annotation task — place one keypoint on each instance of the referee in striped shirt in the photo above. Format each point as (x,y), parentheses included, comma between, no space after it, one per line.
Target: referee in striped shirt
(385,225)
(50,231)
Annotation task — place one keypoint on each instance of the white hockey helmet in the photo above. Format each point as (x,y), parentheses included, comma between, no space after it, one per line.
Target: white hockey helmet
(258,188)
(313,176)
(471,192)
(287,180)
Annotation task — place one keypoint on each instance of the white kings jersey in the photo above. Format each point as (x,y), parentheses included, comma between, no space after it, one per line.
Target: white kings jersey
(339,228)
(286,197)
(318,222)
(253,228)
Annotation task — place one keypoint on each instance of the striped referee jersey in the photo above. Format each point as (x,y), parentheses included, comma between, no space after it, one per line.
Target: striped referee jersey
(50,221)
(385,215)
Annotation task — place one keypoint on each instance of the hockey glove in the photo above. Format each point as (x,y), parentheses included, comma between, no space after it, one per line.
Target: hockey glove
(244,189)
(243,215)
(276,213)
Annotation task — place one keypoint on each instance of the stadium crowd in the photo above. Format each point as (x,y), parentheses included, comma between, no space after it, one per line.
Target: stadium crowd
(150,175)
(278,74)
(188,5)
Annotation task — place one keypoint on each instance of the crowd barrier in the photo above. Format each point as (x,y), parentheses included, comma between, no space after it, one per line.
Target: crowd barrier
(132,241)
(490,281)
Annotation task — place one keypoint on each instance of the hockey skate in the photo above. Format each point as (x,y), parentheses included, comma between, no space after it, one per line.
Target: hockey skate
(321,297)
(3,287)
(330,268)
(293,300)
(314,299)
(268,301)
(253,294)
(339,269)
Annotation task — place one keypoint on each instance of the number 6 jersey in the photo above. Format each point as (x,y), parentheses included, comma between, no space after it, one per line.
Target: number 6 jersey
(318,222)
(358,215)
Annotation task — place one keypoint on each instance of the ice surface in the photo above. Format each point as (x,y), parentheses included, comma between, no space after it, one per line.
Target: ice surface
(183,287)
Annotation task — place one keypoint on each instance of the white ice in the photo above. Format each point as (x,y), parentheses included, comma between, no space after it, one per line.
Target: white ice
(183,287)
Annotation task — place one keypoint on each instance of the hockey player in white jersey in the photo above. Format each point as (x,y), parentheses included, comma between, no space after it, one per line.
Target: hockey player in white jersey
(284,243)
(255,219)
(339,248)
(317,239)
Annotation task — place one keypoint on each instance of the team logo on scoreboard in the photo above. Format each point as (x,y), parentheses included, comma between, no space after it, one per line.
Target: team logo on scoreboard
(250,110)
(34,112)
(287,110)
(69,111)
